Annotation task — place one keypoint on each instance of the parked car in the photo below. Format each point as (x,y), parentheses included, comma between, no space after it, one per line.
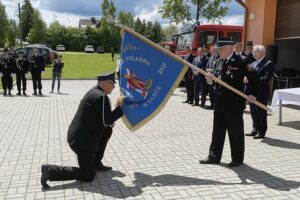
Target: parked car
(60,47)
(100,50)
(89,49)
(42,49)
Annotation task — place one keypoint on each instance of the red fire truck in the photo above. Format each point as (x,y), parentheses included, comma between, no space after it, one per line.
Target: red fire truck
(170,45)
(205,35)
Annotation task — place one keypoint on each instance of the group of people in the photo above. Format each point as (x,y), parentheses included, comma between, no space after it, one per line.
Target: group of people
(248,71)
(21,66)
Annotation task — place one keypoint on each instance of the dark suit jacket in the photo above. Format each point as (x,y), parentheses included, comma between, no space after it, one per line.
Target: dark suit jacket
(202,65)
(87,124)
(189,74)
(264,70)
(6,65)
(233,73)
(37,63)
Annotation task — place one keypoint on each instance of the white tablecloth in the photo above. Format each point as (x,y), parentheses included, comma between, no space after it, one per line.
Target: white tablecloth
(287,96)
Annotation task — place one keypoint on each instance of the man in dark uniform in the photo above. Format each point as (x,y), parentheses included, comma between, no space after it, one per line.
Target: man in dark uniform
(209,68)
(264,69)
(229,107)
(37,66)
(6,71)
(22,68)
(248,51)
(188,77)
(88,134)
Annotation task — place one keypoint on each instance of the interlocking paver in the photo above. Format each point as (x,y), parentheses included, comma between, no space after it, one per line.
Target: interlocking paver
(159,161)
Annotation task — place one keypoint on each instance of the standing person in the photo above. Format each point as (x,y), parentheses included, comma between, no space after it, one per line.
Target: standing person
(118,67)
(248,51)
(209,68)
(188,77)
(199,80)
(88,134)
(6,71)
(229,107)
(22,68)
(56,72)
(264,69)
(112,54)
(37,67)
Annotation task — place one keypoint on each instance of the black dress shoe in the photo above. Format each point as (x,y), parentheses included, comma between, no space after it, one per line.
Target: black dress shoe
(40,93)
(102,167)
(24,93)
(202,105)
(253,133)
(4,93)
(19,93)
(258,136)
(45,176)
(190,102)
(209,161)
(234,164)
(186,101)
(34,93)
(195,104)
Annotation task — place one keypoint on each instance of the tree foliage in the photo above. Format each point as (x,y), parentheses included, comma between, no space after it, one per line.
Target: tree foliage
(26,19)
(3,25)
(179,11)
(12,31)
(38,32)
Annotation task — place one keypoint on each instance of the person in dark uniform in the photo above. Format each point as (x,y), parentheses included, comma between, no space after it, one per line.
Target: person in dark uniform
(56,72)
(248,51)
(88,134)
(6,71)
(37,67)
(199,80)
(264,69)
(22,68)
(188,77)
(209,68)
(229,107)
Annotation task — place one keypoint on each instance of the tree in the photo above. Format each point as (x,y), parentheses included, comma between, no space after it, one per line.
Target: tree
(3,24)
(138,26)
(26,19)
(179,11)
(12,32)
(169,31)
(126,19)
(38,33)
(157,33)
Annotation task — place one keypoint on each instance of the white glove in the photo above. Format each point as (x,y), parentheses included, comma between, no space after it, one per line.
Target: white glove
(27,75)
(12,74)
(1,74)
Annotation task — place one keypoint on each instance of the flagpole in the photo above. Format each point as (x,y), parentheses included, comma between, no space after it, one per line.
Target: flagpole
(179,59)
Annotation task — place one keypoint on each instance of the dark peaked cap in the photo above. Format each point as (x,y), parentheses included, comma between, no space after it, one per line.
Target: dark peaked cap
(223,42)
(249,43)
(110,76)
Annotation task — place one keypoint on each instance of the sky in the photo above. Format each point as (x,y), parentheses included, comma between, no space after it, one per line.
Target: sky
(68,12)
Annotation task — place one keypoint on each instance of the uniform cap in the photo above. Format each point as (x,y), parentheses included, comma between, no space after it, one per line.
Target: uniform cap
(223,42)
(110,76)
(249,43)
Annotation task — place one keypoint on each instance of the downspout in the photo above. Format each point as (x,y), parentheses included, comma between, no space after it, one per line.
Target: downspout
(241,2)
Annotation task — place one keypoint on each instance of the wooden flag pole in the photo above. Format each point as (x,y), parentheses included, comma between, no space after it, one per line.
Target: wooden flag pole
(179,59)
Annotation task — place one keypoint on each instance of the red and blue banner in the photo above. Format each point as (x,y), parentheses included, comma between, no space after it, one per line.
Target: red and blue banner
(148,77)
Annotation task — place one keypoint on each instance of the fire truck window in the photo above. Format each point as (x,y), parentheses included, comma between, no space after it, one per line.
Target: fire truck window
(236,36)
(221,33)
(207,38)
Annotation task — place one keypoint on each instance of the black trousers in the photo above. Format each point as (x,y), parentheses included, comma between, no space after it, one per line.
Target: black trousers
(233,123)
(21,79)
(87,161)
(7,81)
(211,93)
(204,90)
(36,79)
(189,85)
(197,87)
(259,116)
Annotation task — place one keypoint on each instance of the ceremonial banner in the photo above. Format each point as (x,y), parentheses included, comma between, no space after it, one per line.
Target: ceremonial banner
(148,77)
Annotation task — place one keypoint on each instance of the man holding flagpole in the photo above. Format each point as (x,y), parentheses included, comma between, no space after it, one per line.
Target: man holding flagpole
(229,107)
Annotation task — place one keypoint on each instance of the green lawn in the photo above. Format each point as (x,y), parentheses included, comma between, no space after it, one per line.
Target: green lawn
(83,65)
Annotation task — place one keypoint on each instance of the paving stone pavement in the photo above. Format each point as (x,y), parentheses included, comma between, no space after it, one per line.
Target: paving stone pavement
(159,161)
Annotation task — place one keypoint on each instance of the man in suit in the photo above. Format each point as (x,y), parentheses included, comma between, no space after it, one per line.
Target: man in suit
(188,77)
(264,69)
(37,66)
(211,63)
(6,71)
(199,80)
(88,134)
(229,107)
(22,68)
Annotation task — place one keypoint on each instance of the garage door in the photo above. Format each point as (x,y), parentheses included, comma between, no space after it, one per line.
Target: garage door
(288,19)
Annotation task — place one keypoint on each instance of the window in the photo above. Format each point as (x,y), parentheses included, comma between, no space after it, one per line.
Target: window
(236,36)
(221,34)
(185,39)
(207,38)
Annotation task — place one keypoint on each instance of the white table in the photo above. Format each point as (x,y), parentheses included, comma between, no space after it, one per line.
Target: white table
(283,97)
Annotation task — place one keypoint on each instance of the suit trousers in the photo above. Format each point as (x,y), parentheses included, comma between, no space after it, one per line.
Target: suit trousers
(233,123)
(36,79)
(7,81)
(21,79)
(197,87)
(86,171)
(102,143)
